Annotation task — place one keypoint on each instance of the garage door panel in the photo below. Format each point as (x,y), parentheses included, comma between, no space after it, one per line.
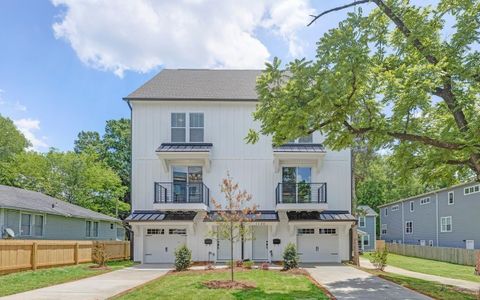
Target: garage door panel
(317,245)
(160,244)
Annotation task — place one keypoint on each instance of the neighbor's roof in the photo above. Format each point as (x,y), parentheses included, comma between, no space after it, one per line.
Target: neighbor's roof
(199,84)
(16,198)
(367,209)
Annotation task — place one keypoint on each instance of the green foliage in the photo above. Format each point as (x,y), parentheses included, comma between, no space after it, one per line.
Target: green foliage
(416,96)
(183,258)
(379,258)
(76,178)
(248,264)
(12,141)
(290,257)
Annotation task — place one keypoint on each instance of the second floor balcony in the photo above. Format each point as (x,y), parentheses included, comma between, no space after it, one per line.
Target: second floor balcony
(192,196)
(301,196)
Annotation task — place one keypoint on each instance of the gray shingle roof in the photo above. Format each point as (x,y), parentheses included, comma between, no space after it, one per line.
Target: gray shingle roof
(200,84)
(299,148)
(185,147)
(367,210)
(16,198)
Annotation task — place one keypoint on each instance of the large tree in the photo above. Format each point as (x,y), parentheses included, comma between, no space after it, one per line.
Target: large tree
(403,77)
(12,141)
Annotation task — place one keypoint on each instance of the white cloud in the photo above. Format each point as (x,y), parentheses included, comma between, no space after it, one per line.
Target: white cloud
(141,35)
(28,127)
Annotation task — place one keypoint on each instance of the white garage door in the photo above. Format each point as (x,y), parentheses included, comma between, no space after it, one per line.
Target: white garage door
(160,244)
(318,244)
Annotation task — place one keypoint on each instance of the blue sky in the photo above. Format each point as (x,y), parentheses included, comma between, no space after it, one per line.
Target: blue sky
(57,80)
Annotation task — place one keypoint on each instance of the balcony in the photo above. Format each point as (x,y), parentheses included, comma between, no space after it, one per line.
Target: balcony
(181,196)
(302,196)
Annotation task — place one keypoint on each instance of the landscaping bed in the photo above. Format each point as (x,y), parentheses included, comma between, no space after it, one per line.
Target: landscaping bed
(263,284)
(29,280)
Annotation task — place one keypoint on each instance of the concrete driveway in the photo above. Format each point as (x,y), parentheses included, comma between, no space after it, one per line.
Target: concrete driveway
(346,282)
(97,287)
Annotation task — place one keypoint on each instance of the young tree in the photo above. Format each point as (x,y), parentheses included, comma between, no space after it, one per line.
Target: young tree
(392,77)
(233,215)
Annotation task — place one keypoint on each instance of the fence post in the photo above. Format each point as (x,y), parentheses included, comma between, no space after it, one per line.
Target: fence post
(34,256)
(76,253)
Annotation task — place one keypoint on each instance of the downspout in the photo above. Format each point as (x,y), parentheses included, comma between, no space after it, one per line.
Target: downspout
(436,216)
(403,225)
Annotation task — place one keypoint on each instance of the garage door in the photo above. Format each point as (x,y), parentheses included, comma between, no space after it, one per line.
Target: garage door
(317,244)
(160,244)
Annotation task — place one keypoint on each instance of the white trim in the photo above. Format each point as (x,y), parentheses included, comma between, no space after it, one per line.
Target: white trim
(453,198)
(412,208)
(441,225)
(425,200)
(430,243)
(360,222)
(367,240)
(472,242)
(473,189)
(406,227)
(395,207)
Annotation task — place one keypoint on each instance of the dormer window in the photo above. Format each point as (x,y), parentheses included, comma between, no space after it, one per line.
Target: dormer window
(180,123)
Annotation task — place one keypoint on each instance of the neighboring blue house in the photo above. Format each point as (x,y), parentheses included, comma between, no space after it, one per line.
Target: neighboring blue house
(448,217)
(367,224)
(33,215)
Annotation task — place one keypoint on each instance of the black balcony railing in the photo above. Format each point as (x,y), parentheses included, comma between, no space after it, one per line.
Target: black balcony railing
(302,192)
(181,192)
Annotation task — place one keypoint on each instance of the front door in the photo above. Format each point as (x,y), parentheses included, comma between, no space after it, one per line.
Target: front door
(260,243)
(223,250)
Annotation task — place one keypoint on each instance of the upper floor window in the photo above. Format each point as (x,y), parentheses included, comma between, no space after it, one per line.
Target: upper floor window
(424,201)
(361,222)
(451,198)
(180,124)
(395,208)
(308,139)
(386,211)
(412,206)
(471,189)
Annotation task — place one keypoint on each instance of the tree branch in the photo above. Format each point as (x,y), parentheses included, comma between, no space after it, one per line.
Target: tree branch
(315,17)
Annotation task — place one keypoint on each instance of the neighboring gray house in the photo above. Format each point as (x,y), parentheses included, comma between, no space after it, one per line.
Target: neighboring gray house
(447,217)
(367,224)
(33,215)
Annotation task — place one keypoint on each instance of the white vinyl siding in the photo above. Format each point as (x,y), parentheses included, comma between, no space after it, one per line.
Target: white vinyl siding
(446,224)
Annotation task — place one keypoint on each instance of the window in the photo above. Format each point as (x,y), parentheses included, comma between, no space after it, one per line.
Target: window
(95,229)
(308,139)
(305,231)
(366,240)
(361,222)
(471,189)
(296,185)
(430,243)
(395,208)
(424,201)
(409,227)
(187,184)
(25,224)
(179,124)
(386,211)
(88,228)
(177,231)
(446,224)
(327,231)
(384,228)
(451,198)
(155,231)
(111,225)
(38,225)
(196,127)
(411,206)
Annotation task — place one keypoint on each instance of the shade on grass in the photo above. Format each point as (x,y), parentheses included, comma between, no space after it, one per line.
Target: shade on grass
(29,280)
(432,267)
(188,285)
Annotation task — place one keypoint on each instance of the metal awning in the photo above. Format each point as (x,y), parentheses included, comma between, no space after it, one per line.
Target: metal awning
(308,147)
(160,216)
(185,147)
(324,216)
(171,153)
(261,216)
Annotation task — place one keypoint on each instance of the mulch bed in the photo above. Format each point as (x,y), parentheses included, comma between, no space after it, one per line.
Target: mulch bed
(228,284)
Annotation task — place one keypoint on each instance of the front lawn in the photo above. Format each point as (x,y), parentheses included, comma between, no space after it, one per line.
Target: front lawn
(189,285)
(29,280)
(431,267)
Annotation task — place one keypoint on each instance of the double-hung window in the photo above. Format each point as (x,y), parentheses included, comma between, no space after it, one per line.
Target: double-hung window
(361,221)
(95,229)
(38,225)
(88,228)
(384,228)
(409,227)
(185,129)
(25,224)
(446,224)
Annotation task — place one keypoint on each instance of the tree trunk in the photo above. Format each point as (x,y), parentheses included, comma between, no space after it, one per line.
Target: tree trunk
(231,249)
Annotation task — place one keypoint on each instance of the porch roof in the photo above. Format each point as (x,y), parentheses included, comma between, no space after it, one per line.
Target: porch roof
(307,147)
(185,147)
(323,216)
(160,216)
(261,216)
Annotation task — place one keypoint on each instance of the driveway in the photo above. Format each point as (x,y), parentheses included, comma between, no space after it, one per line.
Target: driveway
(346,282)
(97,287)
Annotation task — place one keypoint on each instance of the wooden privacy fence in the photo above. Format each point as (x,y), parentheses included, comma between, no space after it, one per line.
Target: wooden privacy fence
(452,255)
(380,244)
(18,255)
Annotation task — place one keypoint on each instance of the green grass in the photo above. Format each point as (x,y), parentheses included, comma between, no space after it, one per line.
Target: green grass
(433,289)
(431,267)
(29,280)
(188,285)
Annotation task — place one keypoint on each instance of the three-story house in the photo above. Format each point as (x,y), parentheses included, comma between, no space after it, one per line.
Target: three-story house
(188,131)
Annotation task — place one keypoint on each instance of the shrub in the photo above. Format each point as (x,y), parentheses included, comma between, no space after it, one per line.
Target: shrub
(379,258)
(265,266)
(248,264)
(477,268)
(99,255)
(290,257)
(183,258)
(239,263)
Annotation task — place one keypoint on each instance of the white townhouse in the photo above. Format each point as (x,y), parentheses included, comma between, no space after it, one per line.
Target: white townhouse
(188,130)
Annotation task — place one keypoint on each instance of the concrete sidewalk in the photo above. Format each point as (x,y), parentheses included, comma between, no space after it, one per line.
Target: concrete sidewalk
(463,284)
(346,282)
(97,287)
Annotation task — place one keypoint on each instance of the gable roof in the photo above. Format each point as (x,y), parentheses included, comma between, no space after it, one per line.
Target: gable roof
(199,84)
(367,209)
(16,198)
